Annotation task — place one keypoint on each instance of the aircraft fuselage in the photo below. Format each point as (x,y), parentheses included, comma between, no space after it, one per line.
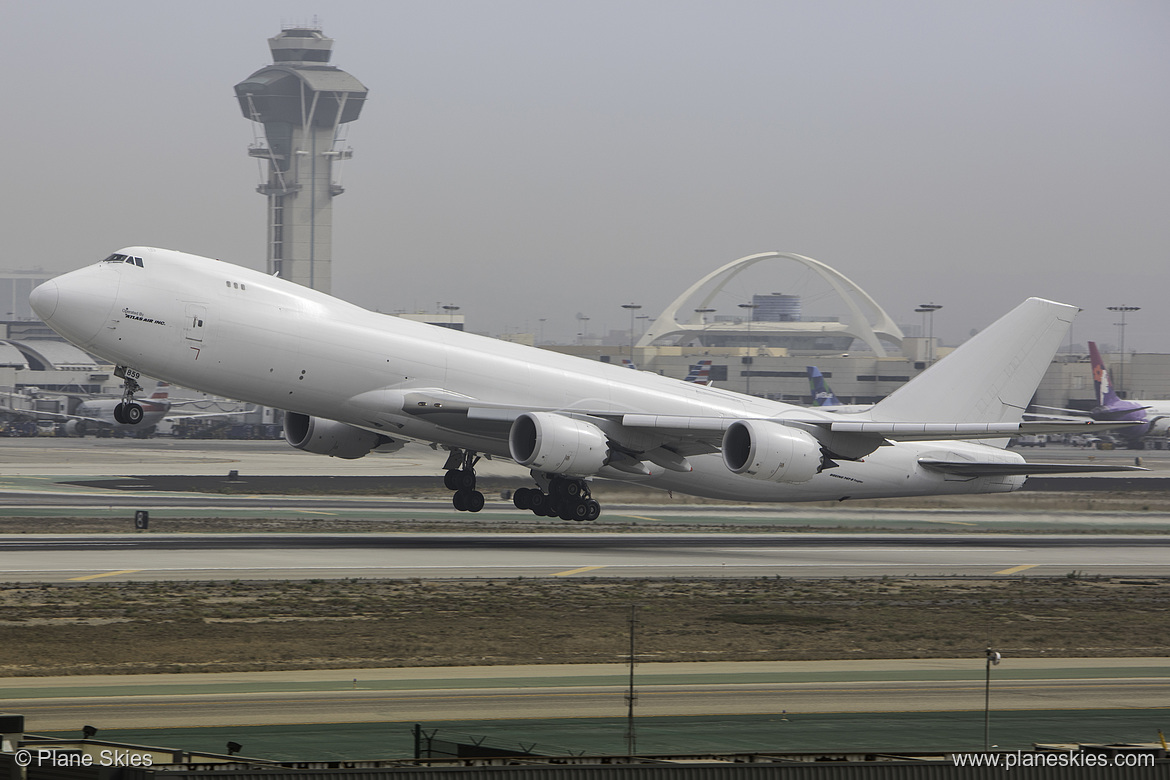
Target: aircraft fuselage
(235,332)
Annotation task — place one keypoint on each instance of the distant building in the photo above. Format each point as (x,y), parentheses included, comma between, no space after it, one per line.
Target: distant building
(14,289)
(452,321)
(773,321)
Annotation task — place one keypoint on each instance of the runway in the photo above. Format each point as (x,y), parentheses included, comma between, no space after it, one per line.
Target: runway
(147,557)
(583,691)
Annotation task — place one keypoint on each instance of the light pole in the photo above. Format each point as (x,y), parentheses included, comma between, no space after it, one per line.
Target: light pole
(633,307)
(1121,330)
(450,308)
(992,659)
(928,309)
(750,307)
(631,698)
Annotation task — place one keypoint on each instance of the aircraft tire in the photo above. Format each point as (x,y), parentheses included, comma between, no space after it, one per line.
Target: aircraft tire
(133,413)
(460,501)
(579,511)
(572,489)
(451,479)
(119,417)
(474,501)
(594,510)
(466,479)
(522,498)
(537,502)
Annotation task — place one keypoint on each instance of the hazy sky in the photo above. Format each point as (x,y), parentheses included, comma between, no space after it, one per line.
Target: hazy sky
(534,159)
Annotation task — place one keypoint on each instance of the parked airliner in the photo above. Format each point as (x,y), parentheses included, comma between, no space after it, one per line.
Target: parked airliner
(354,381)
(92,415)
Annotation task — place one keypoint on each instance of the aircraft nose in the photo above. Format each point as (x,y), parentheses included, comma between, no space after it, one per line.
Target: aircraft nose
(43,300)
(77,305)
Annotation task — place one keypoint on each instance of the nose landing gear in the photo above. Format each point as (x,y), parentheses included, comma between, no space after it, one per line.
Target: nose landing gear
(128,412)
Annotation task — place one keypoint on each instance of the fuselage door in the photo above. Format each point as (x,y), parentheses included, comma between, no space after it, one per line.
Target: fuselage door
(193,329)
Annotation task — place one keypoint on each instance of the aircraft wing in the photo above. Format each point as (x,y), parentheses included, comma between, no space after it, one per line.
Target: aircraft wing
(966,468)
(645,436)
(895,431)
(65,417)
(177,417)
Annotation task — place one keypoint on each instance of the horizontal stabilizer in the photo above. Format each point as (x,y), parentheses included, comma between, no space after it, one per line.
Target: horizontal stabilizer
(967,468)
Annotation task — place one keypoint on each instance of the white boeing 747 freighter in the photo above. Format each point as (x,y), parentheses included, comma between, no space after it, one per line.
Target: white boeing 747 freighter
(354,382)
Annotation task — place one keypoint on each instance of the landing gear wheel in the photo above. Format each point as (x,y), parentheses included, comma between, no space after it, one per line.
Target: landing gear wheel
(127,412)
(594,510)
(572,489)
(537,502)
(460,478)
(133,413)
(579,511)
(522,498)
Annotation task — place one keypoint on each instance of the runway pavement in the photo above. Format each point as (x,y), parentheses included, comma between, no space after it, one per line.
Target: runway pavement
(121,557)
(558,694)
(584,691)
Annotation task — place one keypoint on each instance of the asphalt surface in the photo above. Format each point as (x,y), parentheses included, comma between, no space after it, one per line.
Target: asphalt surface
(1078,699)
(116,557)
(586,691)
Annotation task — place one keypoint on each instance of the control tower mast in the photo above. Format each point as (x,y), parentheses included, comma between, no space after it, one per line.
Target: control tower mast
(302,102)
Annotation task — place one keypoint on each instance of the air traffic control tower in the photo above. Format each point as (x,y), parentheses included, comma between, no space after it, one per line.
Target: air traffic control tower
(302,103)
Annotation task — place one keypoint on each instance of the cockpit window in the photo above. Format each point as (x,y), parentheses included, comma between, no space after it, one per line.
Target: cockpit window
(117,258)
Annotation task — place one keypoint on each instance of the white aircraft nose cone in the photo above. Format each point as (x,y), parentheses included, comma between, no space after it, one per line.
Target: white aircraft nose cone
(77,305)
(43,300)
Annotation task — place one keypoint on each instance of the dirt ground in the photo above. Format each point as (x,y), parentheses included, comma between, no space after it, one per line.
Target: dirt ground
(252,626)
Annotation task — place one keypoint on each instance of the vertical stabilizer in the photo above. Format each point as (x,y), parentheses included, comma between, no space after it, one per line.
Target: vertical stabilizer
(822,394)
(1102,383)
(990,378)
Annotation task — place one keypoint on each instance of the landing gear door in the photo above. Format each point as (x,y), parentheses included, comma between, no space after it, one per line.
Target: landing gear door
(193,329)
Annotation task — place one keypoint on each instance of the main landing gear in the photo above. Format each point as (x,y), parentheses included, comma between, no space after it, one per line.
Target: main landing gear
(460,477)
(562,497)
(128,412)
(566,498)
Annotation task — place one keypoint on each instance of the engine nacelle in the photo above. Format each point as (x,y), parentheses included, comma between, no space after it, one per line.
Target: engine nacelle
(557,444)
(771,451)
(1159,426)
(329,437)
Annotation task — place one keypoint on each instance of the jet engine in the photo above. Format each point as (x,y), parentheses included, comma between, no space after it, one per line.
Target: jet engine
(557,444)
(1159,426)
(329,437)
(771,451)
